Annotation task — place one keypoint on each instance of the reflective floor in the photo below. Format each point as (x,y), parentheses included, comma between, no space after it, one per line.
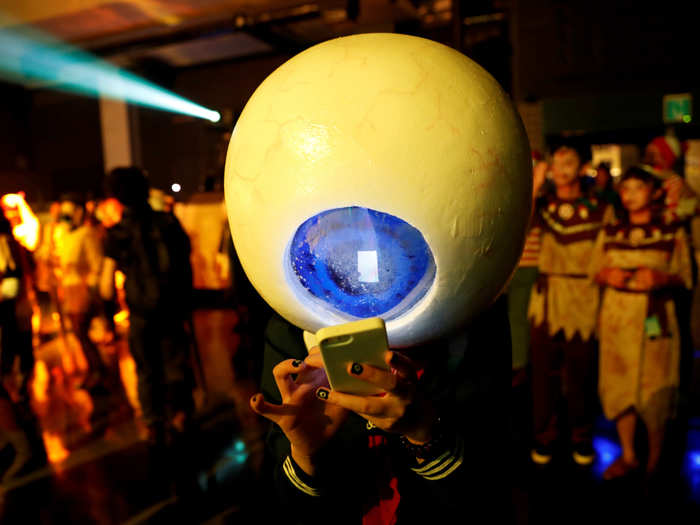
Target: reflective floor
(100,470)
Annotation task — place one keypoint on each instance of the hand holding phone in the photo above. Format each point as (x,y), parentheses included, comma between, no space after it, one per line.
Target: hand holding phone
(363,342)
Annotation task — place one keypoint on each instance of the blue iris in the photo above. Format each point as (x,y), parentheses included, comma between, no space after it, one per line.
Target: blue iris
(362,262)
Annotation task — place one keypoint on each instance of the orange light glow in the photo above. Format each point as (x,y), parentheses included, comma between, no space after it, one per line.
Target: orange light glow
(109,212)
(121,317)
(55,450)
(36,320)
(127,369)
(25,225)
(40,384)
(119,280)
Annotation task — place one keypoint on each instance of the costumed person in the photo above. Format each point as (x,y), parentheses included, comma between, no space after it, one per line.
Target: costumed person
(604,187)
(384,175)
(46,261)
(563,311)
(80,257)
(153,252)
(520,285)
(662,156)
(518,297)
(639,260)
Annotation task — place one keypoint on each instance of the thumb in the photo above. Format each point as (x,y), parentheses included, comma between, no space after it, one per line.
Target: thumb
(314,360)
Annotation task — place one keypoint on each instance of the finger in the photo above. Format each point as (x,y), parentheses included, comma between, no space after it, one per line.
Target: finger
(364,405)
(283,375)
(268,410)
(404,366)
(384,379)
(314,360)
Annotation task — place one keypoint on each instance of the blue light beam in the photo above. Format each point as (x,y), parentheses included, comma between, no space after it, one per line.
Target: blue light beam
(28,57)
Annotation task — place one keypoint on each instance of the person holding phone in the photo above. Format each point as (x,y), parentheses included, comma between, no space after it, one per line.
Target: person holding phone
(434,435)
(383,176)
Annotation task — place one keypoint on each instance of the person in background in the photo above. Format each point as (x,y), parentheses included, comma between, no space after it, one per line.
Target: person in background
(521,284)
(45,259)
(80,259)
(662,157)
(563,311)
(639,259)
(153,252)
(604,187)
(12,293)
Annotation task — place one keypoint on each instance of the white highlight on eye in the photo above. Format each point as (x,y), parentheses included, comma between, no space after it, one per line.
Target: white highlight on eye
(368,266)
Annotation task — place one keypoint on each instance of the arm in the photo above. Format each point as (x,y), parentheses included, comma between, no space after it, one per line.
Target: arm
(106,284)
(301,424)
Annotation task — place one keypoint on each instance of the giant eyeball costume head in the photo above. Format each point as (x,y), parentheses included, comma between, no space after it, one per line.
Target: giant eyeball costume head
(379,175)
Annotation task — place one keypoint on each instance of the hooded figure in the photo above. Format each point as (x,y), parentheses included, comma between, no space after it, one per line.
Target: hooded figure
(383,175)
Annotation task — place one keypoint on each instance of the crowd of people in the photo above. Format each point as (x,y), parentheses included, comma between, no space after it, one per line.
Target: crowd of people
(68,277)
(600,303)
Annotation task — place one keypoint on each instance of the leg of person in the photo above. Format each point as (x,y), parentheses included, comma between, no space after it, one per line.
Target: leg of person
(518,300)
(143,347)
(546,392)
(656,413)
(25,349)
(14,435)
(626,425)
(579,388)
(80,322)
(178,378)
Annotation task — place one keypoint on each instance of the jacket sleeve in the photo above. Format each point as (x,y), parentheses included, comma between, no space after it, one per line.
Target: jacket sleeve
(470,474)
(295,490)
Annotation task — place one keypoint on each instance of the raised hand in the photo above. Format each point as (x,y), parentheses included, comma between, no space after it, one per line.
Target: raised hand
(307,422)
(400,409)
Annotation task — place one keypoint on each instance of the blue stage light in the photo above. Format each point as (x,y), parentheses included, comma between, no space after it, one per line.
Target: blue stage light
(607,451)
(29,58)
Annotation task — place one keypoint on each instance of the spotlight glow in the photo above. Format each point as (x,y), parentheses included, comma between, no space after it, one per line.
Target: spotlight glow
(607,451)
(176,187)
(29,57)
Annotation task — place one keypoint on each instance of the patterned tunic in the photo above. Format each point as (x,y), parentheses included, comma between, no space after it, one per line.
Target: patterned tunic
(639,338)
(564,297)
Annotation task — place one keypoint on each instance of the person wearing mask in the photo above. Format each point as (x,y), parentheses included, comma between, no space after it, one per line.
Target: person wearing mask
(80,256)
(408,205)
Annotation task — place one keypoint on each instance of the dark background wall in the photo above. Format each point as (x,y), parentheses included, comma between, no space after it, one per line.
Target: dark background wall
(175,148)
(573,47)
(50,143)
(598,68)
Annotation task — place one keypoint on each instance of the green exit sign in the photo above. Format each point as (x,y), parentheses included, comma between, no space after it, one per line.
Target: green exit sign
(678,108)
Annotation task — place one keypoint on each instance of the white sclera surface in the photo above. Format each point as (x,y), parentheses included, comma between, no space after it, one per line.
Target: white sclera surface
(394,123)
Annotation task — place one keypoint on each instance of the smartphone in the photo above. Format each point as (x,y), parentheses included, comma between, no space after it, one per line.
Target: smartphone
(362,342)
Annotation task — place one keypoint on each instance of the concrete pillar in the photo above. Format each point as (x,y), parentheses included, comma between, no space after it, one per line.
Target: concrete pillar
(117,137)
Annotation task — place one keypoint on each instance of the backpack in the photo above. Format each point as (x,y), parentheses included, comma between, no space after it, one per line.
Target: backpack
(158,269)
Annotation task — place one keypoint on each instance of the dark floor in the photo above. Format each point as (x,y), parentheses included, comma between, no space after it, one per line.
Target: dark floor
(100,470)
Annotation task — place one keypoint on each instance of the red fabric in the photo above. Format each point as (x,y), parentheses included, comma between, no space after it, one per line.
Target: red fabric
(383,511)
(667,150)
